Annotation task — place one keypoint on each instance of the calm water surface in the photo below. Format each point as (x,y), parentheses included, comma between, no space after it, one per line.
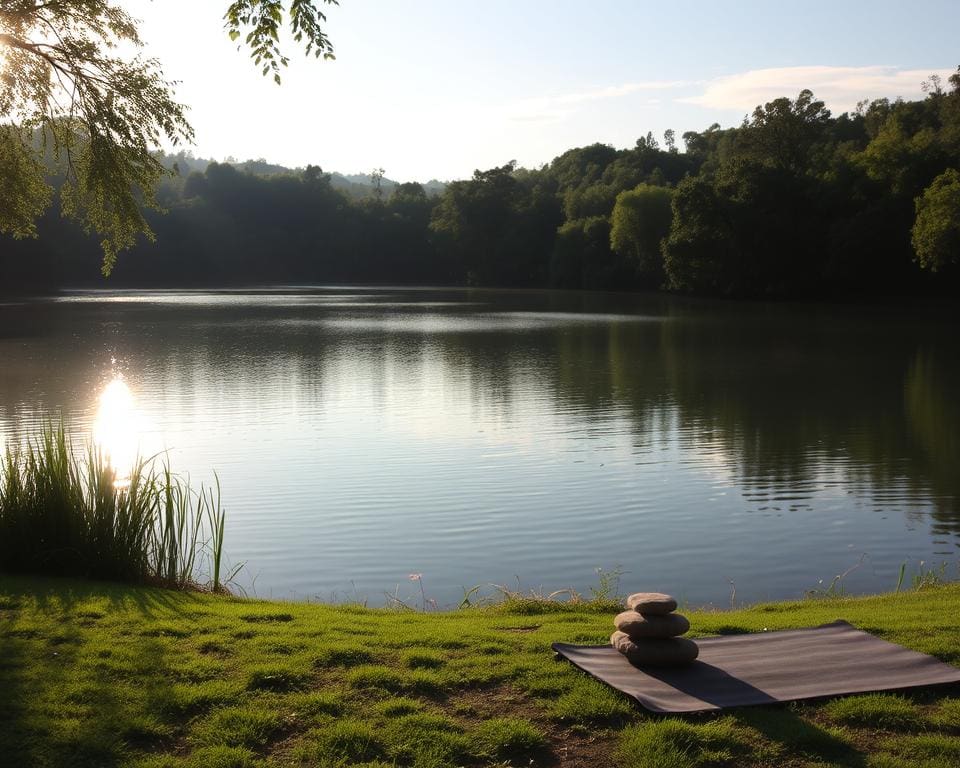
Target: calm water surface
(477,437)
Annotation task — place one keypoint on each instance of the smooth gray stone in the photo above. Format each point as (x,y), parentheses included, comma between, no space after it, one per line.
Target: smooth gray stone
(656,652)
(654,603)
(640,625)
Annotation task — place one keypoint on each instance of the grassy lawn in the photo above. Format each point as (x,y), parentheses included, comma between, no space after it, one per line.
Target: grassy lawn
(96,674)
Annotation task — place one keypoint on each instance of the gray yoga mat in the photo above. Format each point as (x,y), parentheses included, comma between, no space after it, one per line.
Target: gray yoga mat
(766,668)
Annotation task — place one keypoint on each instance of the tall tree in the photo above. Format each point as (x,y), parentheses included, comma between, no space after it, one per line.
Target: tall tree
(70,97)
(783,131)
(582,257)
(700,248)
(498,227)
(376,179)
(936,232)
(641,220)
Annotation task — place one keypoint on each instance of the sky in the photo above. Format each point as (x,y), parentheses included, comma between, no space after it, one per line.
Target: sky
(438,88)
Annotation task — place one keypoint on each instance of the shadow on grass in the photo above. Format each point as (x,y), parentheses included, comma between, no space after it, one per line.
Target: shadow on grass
(799,737)
(730,629)
(65,700)
(13,726)
(52,593)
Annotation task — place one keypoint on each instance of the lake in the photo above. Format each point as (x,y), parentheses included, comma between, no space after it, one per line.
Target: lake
(363,436)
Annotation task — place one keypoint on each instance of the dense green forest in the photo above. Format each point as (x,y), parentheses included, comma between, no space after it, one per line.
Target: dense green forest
(793,202)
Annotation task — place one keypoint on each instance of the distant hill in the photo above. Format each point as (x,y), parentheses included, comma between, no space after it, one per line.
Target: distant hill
(357,185)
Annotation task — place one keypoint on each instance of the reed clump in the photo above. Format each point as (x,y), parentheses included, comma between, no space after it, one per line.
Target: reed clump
(66,513)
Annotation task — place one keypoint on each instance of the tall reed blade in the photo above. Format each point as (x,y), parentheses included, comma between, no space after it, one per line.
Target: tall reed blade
(65,513)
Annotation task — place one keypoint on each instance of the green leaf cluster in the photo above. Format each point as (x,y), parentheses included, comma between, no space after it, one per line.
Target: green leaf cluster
(259,23)
(640,220)
(936,232)
(72,99)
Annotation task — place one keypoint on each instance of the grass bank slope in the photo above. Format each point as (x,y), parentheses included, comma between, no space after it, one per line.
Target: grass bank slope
(96,674)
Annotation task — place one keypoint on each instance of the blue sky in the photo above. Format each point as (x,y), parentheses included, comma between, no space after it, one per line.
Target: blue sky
(437,88)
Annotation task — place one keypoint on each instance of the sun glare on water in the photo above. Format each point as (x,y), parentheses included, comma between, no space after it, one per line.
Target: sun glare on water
(117,428)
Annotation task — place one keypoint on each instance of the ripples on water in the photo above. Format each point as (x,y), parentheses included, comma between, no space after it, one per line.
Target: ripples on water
(484,437)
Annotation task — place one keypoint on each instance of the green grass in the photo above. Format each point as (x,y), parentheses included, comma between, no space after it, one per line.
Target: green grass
(883,711)
(947,714)
(98,674)
(672,742)
(584,701)
(791,733)
(935,750)
(509,738)
(67,513)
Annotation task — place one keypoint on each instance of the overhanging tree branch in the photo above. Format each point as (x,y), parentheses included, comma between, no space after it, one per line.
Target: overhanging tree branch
(105,115)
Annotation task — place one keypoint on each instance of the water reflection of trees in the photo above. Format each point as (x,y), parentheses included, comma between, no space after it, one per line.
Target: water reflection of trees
(793,400)
(933,419)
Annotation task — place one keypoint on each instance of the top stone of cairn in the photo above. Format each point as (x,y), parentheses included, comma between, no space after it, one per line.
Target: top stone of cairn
(653,603)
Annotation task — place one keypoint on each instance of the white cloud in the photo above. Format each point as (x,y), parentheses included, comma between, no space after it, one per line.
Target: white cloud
(840,87)
(556,107)
(616,91)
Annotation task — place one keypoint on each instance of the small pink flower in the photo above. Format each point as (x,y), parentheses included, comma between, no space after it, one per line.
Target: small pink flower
(415,576)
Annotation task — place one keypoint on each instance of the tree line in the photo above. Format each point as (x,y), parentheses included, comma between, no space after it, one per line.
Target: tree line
(794,202)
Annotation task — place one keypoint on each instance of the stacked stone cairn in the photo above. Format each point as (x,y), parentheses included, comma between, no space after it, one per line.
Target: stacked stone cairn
(648,632)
